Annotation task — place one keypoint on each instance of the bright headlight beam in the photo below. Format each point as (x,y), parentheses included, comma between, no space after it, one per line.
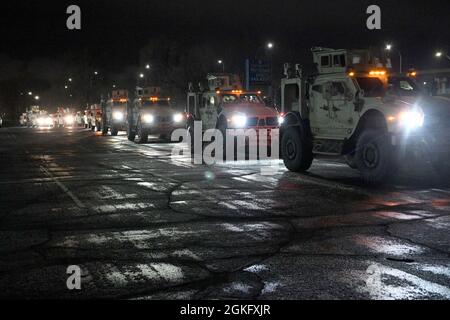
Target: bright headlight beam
(118,115)
(147,118)
(178,117)
(68,119)
(239,121)
(411,119)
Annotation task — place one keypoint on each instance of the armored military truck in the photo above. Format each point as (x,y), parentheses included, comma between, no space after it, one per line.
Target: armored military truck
(345,109)
(152,114)
(114,112)
(225,105)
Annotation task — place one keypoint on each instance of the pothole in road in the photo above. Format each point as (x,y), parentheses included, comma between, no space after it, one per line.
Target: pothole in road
(406,260)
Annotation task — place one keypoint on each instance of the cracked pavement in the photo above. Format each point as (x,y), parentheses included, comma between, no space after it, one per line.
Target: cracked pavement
(142,225)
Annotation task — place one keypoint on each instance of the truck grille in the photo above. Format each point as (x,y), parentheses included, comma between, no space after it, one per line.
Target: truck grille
(262,122)
(163,119)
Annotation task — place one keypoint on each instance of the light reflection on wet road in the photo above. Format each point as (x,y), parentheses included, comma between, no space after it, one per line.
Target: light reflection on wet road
(142,225)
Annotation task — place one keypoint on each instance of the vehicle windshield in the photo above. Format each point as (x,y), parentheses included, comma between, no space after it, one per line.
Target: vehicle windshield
(373,87)
(404,87)
(246,97)
(119,104)
(149,103)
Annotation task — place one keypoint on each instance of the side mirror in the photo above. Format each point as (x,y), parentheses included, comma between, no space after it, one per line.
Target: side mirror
(359,101)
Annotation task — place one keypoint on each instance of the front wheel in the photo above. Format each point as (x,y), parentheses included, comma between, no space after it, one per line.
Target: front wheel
(104,126)
(114,130)
(295,150)
(131,135)
(142,134)
(375,157)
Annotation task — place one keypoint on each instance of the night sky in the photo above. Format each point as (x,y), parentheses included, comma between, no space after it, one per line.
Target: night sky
(38,53)
(116,30)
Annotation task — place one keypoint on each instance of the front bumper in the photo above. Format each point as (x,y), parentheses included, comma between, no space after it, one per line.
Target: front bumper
(162,127)
(429,140)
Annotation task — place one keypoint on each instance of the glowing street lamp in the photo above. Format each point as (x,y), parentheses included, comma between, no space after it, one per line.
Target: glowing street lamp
(269,45)
(147,66)
(220,61)
(440,54)
(36,98)
(30,93)
(389,47)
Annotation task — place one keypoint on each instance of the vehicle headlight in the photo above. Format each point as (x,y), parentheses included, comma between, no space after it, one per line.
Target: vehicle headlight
(178,117)
(280,120)
(117,115)
(239,121)
(148,118)
(68,119)
(47,121)
(411,119)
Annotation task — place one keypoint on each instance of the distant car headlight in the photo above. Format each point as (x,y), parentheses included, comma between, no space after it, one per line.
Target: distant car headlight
(117,115)
(178,117)
(69,119)
(239,121)
(411,119)
(280,120)
(148,118)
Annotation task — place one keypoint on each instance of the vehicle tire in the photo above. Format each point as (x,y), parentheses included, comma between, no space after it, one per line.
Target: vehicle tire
(104,126)
(142,134)
(114,130)
(131,135)
(296,152)
(375,156)
(93,127)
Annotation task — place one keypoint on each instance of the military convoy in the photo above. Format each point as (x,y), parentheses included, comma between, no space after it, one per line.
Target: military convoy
(225,105)
(347,109)
(351,107)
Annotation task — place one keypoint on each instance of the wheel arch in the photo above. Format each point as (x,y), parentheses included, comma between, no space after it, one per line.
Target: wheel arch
(294,119)
(371,119)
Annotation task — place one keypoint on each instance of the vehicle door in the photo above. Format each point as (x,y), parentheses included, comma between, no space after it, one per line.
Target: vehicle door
(209,114)
(343,116)
(319,108)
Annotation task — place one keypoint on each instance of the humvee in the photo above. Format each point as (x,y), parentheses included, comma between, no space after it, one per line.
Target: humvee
(225,105)
(346,109)
(114,112)
(152,114)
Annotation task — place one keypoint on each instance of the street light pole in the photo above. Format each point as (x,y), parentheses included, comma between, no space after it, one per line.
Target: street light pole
(220,61)
(440,54)
(389,48)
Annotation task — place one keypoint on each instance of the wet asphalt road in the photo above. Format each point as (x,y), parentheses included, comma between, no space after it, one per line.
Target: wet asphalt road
(144,226)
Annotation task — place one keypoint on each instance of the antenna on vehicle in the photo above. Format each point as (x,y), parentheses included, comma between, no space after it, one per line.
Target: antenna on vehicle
(287,66)
(298,69)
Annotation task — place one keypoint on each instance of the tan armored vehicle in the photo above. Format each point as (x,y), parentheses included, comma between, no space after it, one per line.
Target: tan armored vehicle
(346,110)
(152,114)
(225,105)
